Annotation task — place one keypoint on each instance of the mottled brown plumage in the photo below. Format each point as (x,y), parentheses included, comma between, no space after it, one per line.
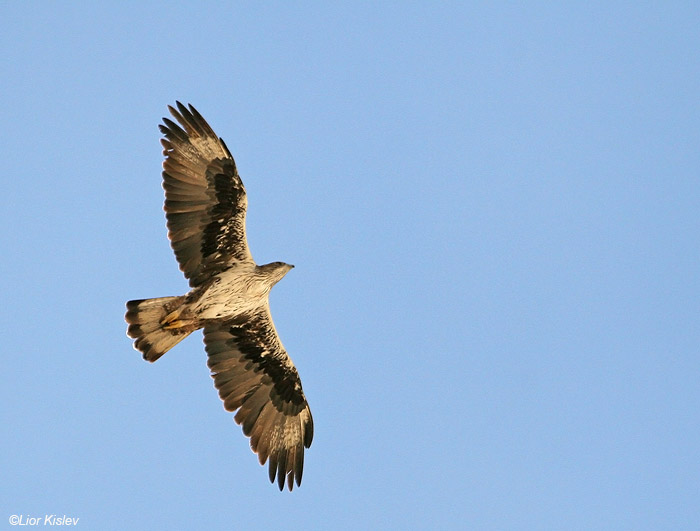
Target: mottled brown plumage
(205,207)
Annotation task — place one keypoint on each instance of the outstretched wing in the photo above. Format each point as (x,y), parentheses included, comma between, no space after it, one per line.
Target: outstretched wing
(255,376)
(205,201)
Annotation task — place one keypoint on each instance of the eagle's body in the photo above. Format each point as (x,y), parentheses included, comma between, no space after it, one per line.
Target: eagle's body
(205,204)
(238,291)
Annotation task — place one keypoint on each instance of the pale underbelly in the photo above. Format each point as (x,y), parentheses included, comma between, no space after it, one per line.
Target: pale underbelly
(229,299)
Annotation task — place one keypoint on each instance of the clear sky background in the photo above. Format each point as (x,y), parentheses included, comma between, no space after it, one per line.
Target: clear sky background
(494,213)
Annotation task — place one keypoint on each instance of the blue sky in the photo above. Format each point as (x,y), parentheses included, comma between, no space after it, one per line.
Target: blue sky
(493,209)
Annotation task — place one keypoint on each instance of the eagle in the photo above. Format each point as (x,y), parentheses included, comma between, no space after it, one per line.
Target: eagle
(205,208)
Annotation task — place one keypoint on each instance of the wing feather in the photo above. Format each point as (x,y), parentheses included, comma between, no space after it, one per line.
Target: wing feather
(205,200)
(256,378)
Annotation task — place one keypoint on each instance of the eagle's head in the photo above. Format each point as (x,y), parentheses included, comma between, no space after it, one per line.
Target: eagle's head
(274,271)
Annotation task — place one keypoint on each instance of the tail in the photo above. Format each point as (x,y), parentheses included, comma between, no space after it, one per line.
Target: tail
(152,325)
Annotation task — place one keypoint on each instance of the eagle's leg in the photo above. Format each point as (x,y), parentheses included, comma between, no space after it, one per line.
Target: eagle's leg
(173,321)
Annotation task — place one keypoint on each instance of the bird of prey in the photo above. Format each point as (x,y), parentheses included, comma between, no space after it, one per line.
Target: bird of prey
(205,207)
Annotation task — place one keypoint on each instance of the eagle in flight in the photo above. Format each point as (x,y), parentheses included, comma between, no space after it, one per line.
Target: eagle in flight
(205,206)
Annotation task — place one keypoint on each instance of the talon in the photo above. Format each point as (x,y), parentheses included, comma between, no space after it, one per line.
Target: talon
(170,321)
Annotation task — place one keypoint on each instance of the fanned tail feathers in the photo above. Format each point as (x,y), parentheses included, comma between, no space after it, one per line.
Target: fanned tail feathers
(145,318)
